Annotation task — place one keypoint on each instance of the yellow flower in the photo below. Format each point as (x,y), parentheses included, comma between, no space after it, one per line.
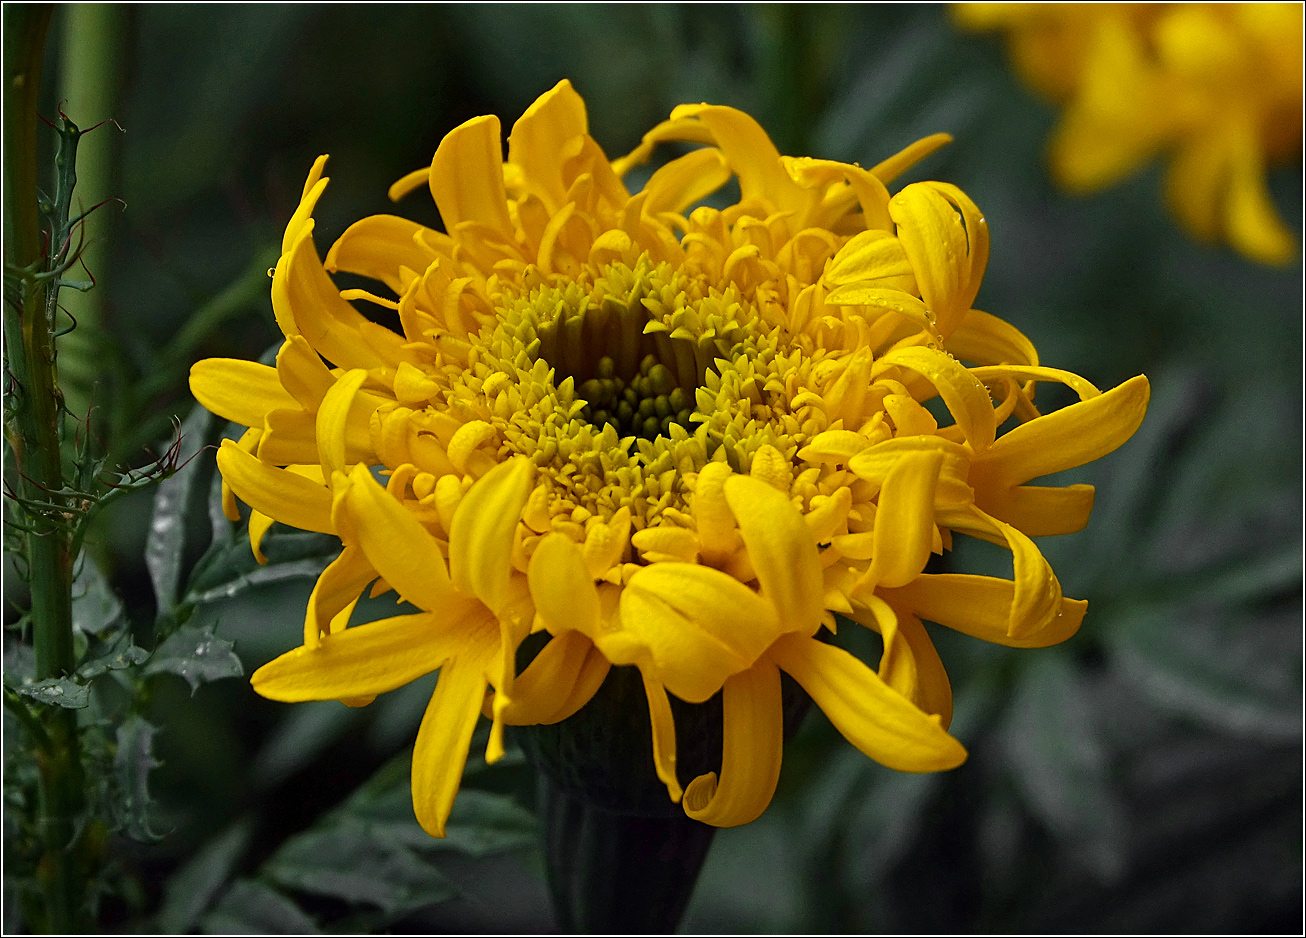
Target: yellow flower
(679,442)
(1218,87)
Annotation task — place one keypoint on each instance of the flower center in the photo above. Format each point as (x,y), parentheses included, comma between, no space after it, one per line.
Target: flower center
(656,370)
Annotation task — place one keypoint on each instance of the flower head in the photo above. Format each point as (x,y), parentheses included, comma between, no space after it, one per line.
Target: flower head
(1218,87)
(670,437)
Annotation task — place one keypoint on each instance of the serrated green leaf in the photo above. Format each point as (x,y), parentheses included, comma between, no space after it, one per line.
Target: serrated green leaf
(253,908)
(262,576)
(121,653)
(132,766)
(57,692)
(165,545)
(190,890)
(95,607)
(1059,764)
(197,655)
(358,863)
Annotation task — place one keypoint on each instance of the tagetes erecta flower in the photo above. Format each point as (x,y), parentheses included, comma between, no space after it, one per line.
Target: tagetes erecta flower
(1216,88)
(679,442)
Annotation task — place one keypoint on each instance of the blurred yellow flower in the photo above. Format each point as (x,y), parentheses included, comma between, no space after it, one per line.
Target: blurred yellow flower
(1216,87)
(679,442)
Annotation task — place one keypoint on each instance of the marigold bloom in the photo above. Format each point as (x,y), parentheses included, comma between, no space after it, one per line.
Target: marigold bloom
(678,442)
(1218,87)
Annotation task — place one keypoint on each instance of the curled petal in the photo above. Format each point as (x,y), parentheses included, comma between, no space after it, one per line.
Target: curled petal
(396,544)
(781,550)
(562,587)
(871,715)
(981,606)
(664,734)
(480,539)
(966,398)
(699,625)
(559,681)
(1063,439)
(278,493)
(753,740)
(467,177)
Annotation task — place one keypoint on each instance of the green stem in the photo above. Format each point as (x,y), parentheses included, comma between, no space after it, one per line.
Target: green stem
(35,413)
(88,83)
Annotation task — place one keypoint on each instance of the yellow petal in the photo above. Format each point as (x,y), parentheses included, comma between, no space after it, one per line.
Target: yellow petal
(936,243)
(1037,598)
(686,181)
(875,258)
(367,659)
(467,177)
(306,301)
(966,398)
(376,246)
(666,542)
(1039,510)
(338,587)
(480,538)
(562,587)
(716,525)
(781,550)
(302,373)
(871,715)
(285,496)
(904,519)
(541,138)
(933,690)
(333,418)
(753,740)
(664,734)
(981,606)
(698,624)
(440,752)
(396,544)
(987,340)
(1252,222)
(1063,439)
(543,693)
(751,154)
(889,170)
(239,391)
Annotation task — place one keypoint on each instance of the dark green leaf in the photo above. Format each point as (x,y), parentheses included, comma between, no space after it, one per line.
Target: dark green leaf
(190,890)
(57,692)
(197,655)
(121,653)
(1231,670)
(358,863)
(165,546)
(132,766)
(252,908)
(1060,767)
(95,607)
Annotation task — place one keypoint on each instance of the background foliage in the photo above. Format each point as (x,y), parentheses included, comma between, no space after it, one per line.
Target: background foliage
(1145,776)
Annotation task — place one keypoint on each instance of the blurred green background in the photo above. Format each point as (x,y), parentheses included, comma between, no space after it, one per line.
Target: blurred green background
(1145,776)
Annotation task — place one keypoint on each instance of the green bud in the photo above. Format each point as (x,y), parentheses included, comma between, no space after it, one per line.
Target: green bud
(662,406)
(661,379)
(606,367)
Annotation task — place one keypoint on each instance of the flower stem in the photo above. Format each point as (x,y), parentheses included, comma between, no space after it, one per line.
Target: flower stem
(618,873)
(33,420)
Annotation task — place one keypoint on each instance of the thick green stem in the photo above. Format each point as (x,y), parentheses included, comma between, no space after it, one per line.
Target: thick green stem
(88,83)
(35,412)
